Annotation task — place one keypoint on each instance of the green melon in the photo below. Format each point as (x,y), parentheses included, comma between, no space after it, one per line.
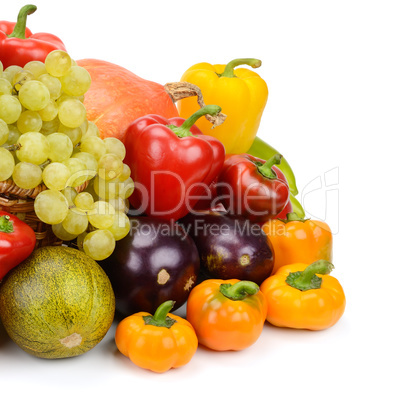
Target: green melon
(57,303)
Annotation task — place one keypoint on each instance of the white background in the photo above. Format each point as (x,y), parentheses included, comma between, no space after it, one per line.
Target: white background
(334,73)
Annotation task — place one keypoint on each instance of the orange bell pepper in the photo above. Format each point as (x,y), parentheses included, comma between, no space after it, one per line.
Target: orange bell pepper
(159,342)
(226,314)
(304,296)
(297,240)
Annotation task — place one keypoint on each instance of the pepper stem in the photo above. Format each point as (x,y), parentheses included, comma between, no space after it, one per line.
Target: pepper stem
(239,290)
(6,226)
(19,28)
(184,129)
(160,318)
(229,69)
(307,279)
(266,169)
(293,217)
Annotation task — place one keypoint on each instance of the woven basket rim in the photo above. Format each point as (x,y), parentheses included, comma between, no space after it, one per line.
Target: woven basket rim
(12,195)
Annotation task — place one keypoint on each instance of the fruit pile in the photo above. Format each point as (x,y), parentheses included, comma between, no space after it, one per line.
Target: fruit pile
(154,212)
(46,138)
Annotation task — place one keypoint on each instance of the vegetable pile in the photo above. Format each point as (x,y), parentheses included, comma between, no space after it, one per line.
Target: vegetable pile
(157,207)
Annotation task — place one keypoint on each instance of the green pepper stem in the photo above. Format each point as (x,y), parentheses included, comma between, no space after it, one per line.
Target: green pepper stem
(307,279)
(229,69)
(160,318)
(184,129)
(293,217)
(6,226)
(19,28)
(239,290)
(266,168)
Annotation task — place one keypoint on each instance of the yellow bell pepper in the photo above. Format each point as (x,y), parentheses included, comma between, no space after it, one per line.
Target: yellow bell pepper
(241,93)
(304,296)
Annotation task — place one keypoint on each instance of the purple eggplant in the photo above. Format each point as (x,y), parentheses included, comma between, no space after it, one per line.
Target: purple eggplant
(230,247)
(154,263)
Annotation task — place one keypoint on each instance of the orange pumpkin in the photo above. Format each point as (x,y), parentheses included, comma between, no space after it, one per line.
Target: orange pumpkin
(117,97)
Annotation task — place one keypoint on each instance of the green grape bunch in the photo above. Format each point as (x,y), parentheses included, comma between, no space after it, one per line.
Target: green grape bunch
(45,138)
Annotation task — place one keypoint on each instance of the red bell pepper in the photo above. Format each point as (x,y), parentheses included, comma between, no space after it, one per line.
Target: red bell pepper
(17,241)
(172,163)
(18,45)
(252,187)
(285,211)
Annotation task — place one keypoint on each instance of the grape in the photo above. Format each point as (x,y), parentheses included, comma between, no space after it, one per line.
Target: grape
(74,134)
(84,201)
(119,204)
(53,84)
(57,63)
(5,87)
(61,233)
(34,95)
(20,78)
(49,112)
(93,145)
(10,72)
(72,113)
(80,240)
(75,222)
(51,126)
(70,193)
(29,121)
(90,190)
(126,188)
(89,160)
(4,131)
(6,164)
(120,227)
(110,167)
(92,130)
(51,207)
(60,147)
(78,170)
(37,68)
(106,190)
(101,215)
(55,176)
(27,175)
(76,82)
(126,173)
(115,146)
(84,125)
(34,148)
(99,244)
(10,108)
(13,135)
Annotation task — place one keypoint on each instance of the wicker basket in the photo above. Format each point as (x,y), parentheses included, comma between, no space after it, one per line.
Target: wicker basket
(20,202)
